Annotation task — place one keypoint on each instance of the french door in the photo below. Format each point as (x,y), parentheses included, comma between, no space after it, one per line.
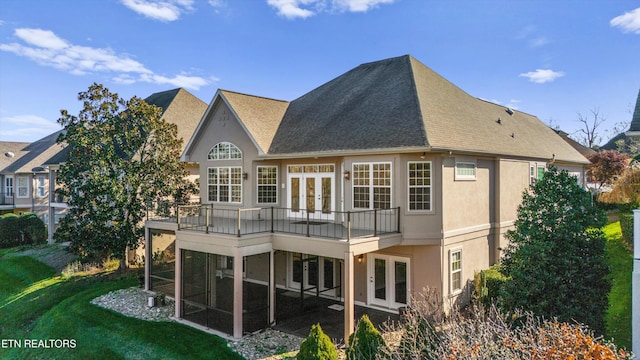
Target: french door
(388,280)
(310,191)
(314,273)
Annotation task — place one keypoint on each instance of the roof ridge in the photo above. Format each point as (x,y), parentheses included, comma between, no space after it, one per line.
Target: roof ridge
(255,96)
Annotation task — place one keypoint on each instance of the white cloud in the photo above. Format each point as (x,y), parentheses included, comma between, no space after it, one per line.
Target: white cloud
(46,48)
(537,42)
(292,9)
(541,76)
(163,10)
(26,127)
(628,22)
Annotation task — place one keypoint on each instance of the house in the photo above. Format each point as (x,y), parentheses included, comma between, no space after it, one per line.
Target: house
(378,183)
(626,138)
(27,182)
(585,151)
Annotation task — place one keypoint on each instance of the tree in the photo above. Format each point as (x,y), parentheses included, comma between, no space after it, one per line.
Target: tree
(555,260)
(317,346)
(589,131)
(605,166)
(122,156)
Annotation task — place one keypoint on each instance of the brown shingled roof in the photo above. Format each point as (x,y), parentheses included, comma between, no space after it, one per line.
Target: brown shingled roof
(34,155)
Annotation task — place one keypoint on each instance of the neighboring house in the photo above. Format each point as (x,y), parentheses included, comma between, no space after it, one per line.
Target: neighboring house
(585,151)
(27,183)
(28,171)
(383,181)
(630,135)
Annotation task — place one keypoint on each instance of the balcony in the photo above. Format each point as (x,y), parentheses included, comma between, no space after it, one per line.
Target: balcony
(343,225)
(6,199)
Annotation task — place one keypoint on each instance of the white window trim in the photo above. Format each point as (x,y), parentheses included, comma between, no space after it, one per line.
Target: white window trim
(230,145)
(473,177)
(409,186)
(17,187)
(258,184)
(230,185)
(6,186)
(453,291)
(43,187)
(390,278)
(371,186)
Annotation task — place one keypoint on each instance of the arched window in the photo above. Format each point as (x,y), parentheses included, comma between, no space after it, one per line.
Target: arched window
(224,151)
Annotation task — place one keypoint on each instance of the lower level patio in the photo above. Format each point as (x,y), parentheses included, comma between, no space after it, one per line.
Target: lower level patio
(296,315)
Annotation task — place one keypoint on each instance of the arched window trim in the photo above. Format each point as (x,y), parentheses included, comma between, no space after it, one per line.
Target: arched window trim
(224,151)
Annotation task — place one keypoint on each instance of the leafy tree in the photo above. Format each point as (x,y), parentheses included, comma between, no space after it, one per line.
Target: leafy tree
(555,260)
(605,166)
(317,346)
(122,155)
(366,342)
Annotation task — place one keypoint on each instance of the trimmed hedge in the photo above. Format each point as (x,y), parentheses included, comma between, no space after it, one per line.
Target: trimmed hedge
(26,229)
(487,284)
(626,224)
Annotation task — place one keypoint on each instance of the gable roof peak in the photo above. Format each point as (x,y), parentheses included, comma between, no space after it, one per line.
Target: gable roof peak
(635,119)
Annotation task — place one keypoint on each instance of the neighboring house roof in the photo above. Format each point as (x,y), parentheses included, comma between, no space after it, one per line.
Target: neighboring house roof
(34,155)
(396,104)
(179,107)
(635,120)
(11,151)
(585,151)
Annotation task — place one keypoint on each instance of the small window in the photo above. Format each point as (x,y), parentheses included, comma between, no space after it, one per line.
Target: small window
(224,151)
(465,171)
(455,260)
(267,184)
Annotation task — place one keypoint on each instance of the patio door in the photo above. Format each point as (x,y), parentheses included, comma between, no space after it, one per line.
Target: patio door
(311,189)
(315,273)
(388,280)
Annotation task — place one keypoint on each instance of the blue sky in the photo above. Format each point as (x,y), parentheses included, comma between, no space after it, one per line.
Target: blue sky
(553,59)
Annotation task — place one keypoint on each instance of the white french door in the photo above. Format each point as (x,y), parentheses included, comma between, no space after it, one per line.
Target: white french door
(315,273)
(310,191)
(388,280)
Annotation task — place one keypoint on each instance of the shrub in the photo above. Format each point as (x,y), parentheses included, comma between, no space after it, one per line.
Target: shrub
(366,342)
(33,228)
(317,346)
(9,231)
(487,285)
(486,333)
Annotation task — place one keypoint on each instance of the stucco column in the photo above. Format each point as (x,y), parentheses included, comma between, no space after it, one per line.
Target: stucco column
(237,294)
(348,286)
(635,285)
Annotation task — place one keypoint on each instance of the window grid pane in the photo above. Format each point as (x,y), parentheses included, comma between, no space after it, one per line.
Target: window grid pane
(419,186)
(225,184)
(466,169)
(456,271)
(267,184)
(224,151)
(372,185)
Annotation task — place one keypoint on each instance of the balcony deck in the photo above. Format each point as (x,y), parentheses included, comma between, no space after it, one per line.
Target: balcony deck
(239,222)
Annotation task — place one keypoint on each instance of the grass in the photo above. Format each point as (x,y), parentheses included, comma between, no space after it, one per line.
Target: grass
(620,259)
(37,304)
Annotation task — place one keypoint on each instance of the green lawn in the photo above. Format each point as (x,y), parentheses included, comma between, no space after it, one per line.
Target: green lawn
(37,304)
(618,318)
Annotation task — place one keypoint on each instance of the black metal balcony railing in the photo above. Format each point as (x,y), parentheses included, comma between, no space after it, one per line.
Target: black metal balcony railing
(244,221)
(6,199)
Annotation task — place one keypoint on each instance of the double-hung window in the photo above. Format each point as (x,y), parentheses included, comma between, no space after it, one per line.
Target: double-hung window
(225,184)
(267,184)
(22,186)
(41,187)
(372,185)
(419,185)
(8,186)
(455,263)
